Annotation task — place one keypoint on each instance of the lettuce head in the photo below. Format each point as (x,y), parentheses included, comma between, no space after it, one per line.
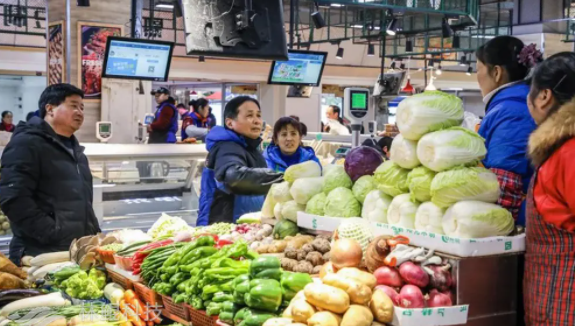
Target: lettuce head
(391,179)
(419,183)
(341,202)
(375,206)
(307,169)
(290,209)
(475,219)
(401,211)
(303,189)
(461,184)
(336,177)
(362,187)
(316,204)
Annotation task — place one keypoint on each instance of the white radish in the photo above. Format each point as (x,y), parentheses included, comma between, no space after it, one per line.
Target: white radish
(42,271)
(48,300)
(50,258)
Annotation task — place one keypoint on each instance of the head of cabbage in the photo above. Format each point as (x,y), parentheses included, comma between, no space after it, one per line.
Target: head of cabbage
(429,218)
(341,202)
(375,206)
(281,192)
(303,189)
(391,179)
(445,149)
(336,177)
(362,187)
(316,204)
(461,184)
(290,209)
(401,211)
(419,183)
(429,111)
(308,169)
(475,219)
(404,152)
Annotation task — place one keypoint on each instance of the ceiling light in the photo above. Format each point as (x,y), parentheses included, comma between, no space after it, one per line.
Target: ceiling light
(368,27)
(165,5)
(463,60)
(469,71)
(337,5)
(339,54)
(446,30)
(456,42)
(408,46)
(317,18)
(402,66)
(408,87)
(438,71)
(202,59)
(370,50)
(83,3)
(430,86)
(392,27)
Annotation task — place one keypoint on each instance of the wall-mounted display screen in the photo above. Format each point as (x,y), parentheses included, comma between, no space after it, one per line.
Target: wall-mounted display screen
(303,68)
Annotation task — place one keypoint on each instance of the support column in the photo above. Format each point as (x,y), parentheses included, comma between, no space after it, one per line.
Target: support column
(273,102)
(105,12)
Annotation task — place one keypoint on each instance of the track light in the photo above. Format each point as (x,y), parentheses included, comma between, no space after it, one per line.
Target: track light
(339,54)
(392,65)
(438,71)
(392,27)
(469,70)
(402,66)
(456,42)
(430,63)
(408,46)
(83,3)
(317,18)
(446,30)
(370,50)
(202,59)
(463,60)
(165,5)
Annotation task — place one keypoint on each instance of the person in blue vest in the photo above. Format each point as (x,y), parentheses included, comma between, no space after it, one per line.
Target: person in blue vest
(501,71)
(287,148)
(165,125)
(235,178)
(195,123)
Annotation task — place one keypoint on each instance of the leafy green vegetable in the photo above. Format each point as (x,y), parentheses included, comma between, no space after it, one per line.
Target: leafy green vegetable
(430,111)
(401,212)
(84,285)
(302,190)
(404,152)
(391,179)
(419,183)
(316,204)
(460,184)
(168,226)
(290,209)
(375,206)
(307,169)
(475,219)
(281,192)
(429,218)
(362,187)
(336,177)
(342,203)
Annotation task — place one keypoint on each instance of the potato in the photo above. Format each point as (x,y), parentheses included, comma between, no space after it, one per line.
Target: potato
(381,307)
(327,297)
(360,276)
(297,324)
(278,322)
(301,311)
(357,315)
(326,269)
(358,293)
(300,296)
(324,318)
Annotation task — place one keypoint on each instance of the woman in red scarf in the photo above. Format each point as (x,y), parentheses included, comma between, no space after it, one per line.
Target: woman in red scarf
(550,231)
(6,124)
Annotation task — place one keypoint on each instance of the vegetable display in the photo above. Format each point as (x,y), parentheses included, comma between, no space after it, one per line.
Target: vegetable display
(404,152)
(336,178)
(361,161)
(474,219)
(462,184)
(391,179)
(341,202)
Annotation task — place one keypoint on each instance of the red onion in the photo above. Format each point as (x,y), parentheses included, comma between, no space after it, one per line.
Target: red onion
(411,296)
(414,274)
(438,299)
(391,292)
(441,278)
(388,276)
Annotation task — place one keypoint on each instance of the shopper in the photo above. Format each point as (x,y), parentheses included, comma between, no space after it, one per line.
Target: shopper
(335,124)
(287,148)
(501,73)
(550,242)
(195,122)
(46,184)
(182,110)
(7,124)
(235,177)
(165,125)
(212,121)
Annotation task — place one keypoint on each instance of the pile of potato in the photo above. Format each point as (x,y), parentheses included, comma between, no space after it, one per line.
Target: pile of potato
(345,298)
(4,225)
(309,257)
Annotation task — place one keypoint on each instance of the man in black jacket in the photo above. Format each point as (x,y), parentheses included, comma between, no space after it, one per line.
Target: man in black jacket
(46,183)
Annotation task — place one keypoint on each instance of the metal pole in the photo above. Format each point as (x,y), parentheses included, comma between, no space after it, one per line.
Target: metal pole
(291,22)
(69,44)
(134,18)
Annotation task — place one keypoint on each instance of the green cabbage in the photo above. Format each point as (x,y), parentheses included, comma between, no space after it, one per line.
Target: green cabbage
(316,204)
(429,218)
(302,190)
(362,187)
(341,202)
(404,152)
(278,211)
(290,209)
(419,183)
(307,169)
(445,149)
(391,179)
(401,212)
(281,193)
(430,111)
(375,206)
(475,219)
(336,177)
(460,184)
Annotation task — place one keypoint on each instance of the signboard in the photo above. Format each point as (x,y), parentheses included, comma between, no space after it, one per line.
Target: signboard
(56,64)
(92,39)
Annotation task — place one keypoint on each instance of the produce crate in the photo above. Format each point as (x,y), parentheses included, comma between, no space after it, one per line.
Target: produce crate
(176,319)
(147,295)
(178,310)
(121,280)
(107,256)
(124,263)
(199,318)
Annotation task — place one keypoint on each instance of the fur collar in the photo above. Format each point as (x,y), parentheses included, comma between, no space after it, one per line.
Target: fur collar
(552,133)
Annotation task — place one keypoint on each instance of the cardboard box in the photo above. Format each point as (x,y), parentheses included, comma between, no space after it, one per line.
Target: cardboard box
(456,315)
(318,223)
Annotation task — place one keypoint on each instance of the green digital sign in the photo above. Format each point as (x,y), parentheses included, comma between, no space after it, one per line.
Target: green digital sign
(358,101)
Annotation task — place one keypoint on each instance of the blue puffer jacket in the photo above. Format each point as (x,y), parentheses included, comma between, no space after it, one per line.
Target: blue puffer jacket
(235,178)
(506,129)
(275,162)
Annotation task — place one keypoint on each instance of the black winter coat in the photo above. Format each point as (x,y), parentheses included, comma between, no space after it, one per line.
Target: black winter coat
(45,191)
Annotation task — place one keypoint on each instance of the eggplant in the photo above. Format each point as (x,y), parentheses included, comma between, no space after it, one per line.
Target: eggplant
(8,296)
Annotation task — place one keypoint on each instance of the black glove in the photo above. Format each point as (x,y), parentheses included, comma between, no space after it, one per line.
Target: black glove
(251,181)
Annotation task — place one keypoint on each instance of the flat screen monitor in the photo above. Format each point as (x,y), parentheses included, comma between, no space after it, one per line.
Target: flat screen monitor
(129,58)
(302,68)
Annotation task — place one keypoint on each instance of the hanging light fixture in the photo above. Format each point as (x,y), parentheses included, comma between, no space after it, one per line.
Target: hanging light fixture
(469,70)
(431,86)
(456,41)
(430,64)
(339,54)
(83,3)
(408,46)
(438,71)
(317,18)
(370,50)
(446,30)
(402,66)
(392,26)
(408,87)
(392,65)
(463,60)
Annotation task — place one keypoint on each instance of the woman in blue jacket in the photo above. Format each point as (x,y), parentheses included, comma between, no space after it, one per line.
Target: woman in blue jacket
(196,122)
(287,148)
(502,66)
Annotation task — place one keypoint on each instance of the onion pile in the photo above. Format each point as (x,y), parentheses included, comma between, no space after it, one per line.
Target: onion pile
(346,253)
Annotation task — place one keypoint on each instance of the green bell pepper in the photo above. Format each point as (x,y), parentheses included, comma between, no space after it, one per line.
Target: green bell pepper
(229,306)
(227,317)
(222,297)
(252,316)
(262,263)
(224,273)
(181,298)
(214,308)
(241,286)
(256,320)
(198,253)
(292,283)
(264,294)
(197,302)
(272,274)
(178,278)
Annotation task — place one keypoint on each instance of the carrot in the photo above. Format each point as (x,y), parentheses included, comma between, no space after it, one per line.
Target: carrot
(150,323)
(129,312)
(129,296)
(146,314)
